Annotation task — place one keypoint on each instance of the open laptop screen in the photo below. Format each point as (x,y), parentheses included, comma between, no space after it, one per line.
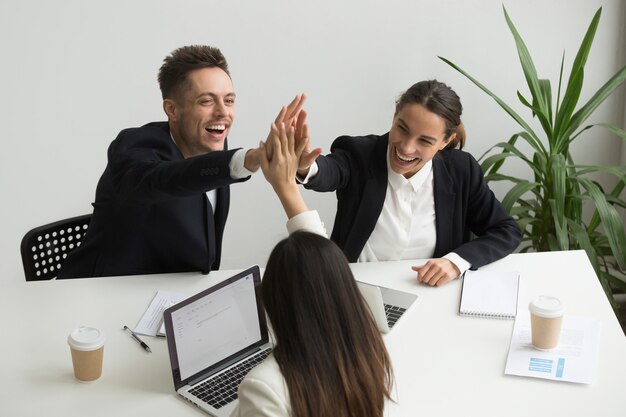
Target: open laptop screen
(216,324)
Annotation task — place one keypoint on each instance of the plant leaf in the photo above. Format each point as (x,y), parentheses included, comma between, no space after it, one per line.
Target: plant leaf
(525,102)
(560,226)
(501,177)
(516,192)
(604,279)
(546,92)
(508,151)
(619,132)
(488,165)
(613,280)
(584,242)
(583,113)
(558,191)
(618,170)
(613,226)
(558,94)
(501,103)
(575,83)
(530,73)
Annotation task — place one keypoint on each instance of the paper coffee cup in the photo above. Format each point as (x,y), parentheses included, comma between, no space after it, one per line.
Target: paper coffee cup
(87,347)
(546,315)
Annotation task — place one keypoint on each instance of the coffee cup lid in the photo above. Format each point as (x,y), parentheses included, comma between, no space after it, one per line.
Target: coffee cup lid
(547,306)
(86,338)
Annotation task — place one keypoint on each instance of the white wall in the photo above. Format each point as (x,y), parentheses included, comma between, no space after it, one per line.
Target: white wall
(76,72)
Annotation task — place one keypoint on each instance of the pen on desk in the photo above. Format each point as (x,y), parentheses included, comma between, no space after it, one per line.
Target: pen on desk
(141,342)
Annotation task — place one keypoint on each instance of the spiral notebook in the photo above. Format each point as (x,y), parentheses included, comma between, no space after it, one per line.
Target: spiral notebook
(491,294)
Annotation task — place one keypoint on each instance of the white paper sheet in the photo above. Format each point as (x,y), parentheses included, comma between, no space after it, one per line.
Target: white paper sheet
(152,319)
(573,360)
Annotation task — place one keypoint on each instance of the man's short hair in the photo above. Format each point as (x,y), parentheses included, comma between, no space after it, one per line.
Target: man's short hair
(177,66)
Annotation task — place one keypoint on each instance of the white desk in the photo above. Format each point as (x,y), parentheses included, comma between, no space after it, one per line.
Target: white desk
(445,365)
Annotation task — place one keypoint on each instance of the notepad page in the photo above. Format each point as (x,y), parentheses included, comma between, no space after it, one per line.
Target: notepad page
(489,294)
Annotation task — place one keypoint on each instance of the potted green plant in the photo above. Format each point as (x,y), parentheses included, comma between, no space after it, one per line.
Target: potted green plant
(561,207)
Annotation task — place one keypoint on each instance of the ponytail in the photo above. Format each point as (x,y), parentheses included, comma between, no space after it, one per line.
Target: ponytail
(459,139)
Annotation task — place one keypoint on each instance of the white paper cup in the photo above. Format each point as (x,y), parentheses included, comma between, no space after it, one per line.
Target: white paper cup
(87,348)
(546,316)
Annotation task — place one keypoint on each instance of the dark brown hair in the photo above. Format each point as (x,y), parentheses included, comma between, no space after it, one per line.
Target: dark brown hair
(177,66)
(440,99)
(328,347)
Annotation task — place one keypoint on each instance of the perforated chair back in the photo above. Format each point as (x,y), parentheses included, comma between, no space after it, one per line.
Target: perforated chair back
(45,248)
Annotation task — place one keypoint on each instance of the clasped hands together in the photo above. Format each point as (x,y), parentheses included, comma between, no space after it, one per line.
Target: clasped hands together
(287,152)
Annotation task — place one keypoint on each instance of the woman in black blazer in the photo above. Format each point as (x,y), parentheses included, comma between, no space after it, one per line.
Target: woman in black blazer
(412,192)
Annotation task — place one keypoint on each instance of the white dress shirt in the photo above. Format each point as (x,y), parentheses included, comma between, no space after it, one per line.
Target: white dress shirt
(237,172)
(405,228)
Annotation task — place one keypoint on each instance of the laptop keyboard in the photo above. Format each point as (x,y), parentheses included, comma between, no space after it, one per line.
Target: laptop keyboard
(393,313)
(222,389)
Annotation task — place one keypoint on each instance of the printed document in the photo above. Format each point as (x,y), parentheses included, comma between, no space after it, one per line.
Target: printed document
(573,360)
(152,321)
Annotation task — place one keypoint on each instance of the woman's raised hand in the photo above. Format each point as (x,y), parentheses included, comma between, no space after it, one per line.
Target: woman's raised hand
(280,170)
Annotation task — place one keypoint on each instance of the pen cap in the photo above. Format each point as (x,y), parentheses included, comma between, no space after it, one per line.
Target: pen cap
(547,306)
(86,338)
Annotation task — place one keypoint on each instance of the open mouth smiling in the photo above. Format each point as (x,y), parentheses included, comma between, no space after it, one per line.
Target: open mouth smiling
(216,129)
(403,158)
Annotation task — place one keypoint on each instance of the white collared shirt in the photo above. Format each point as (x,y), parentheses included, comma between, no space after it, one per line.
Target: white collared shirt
(405,228)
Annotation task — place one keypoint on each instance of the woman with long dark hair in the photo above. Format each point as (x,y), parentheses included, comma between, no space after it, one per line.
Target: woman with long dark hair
(329,358)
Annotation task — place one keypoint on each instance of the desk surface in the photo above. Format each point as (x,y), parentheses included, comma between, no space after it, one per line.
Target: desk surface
(444,364)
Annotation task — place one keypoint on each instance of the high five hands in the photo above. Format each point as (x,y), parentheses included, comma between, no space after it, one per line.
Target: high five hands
(292,116)
(287,144)
(287,151)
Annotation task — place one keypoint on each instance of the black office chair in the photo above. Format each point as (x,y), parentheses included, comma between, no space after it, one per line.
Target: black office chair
(44,248)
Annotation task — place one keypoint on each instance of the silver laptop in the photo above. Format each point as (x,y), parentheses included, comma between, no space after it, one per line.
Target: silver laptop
(387,305)
(214,338)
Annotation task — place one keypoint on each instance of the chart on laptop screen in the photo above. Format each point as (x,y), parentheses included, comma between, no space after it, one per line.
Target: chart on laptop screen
(215,326)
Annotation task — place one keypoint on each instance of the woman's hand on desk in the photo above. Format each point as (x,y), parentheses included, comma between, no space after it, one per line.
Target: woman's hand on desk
(436,272)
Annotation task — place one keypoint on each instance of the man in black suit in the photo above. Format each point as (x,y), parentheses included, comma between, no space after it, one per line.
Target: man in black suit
(162,201)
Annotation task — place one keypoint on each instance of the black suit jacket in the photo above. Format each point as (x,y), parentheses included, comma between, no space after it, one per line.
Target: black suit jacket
(356,169)
(151,213)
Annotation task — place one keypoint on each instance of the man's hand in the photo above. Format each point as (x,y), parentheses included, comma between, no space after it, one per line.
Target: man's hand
(436,272)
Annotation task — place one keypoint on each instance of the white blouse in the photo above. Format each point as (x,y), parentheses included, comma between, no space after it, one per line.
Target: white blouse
(405,228)
(263,392)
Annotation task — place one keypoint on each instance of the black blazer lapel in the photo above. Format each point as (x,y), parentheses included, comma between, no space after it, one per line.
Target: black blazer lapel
(444,206)
(371,205)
